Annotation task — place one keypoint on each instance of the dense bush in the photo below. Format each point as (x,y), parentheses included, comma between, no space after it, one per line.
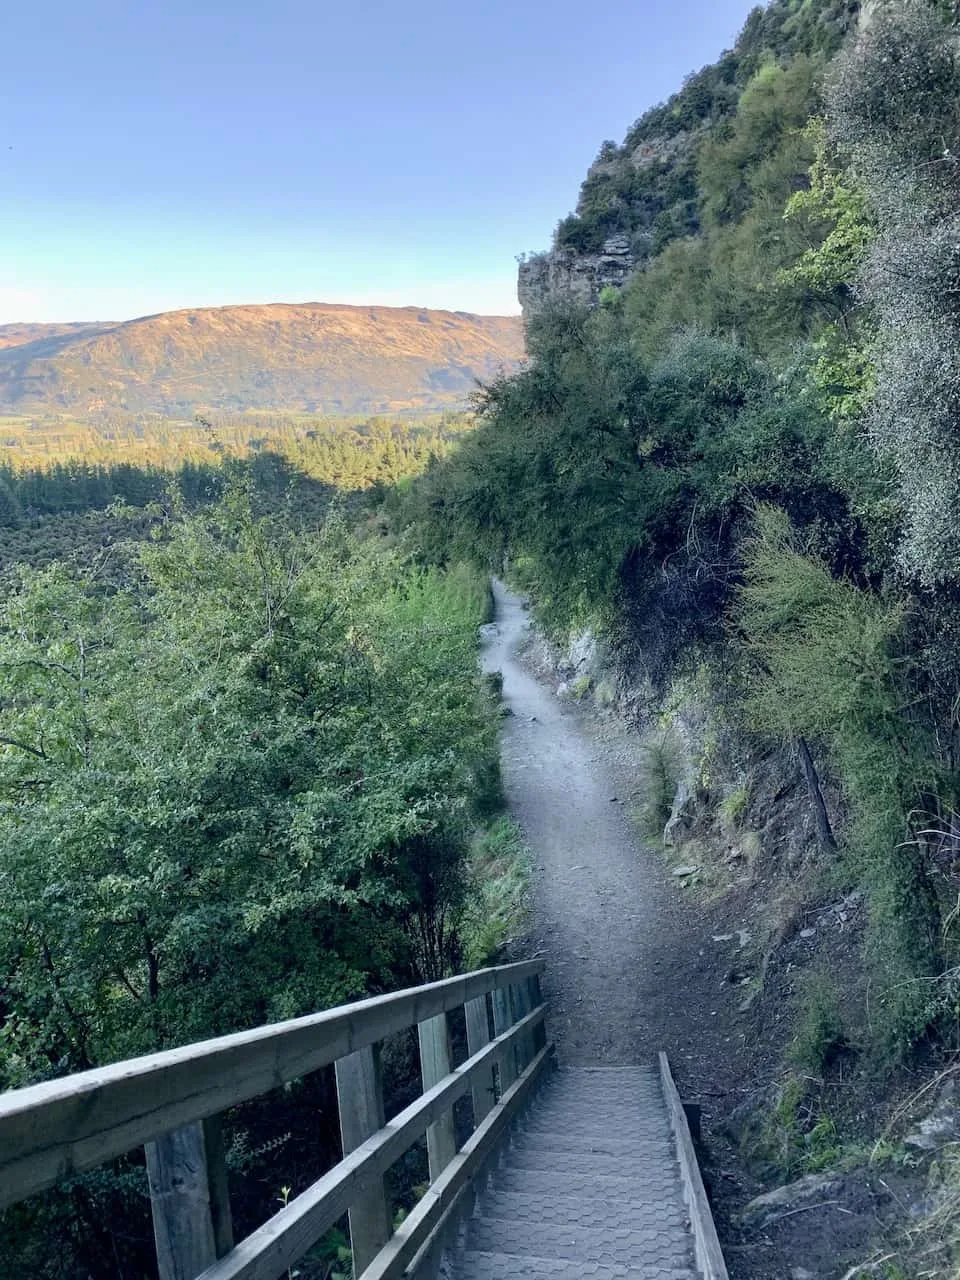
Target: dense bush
(241,785)
(895,110)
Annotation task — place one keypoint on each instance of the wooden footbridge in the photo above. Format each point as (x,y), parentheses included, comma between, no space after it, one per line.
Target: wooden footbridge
(565,1173)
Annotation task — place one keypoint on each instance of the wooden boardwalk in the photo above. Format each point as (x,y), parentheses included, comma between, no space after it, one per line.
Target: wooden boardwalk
(589,1185)
(593,1172)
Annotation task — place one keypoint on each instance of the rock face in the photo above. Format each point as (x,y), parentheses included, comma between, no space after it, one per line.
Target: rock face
(941,1127)
(565,273)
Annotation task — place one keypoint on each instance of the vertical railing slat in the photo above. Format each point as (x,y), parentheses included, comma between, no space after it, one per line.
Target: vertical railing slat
(434,1065)
(520,1004)
(478,1035)
(360,1100)
(187,1176)
(536,1000)
(503,1021)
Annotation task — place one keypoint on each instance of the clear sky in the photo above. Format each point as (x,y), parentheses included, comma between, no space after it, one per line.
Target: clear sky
(157,154)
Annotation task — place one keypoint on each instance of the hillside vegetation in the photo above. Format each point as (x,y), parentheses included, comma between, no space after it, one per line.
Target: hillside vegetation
(248,770)
(742,468)
(311,358)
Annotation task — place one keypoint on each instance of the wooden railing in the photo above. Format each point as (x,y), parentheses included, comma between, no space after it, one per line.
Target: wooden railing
(171,1103)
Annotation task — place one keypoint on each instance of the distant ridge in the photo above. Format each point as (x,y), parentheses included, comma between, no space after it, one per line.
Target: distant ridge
(310,357)
(18,335)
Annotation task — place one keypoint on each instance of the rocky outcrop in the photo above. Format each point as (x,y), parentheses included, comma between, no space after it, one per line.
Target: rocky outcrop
(568,272)
(565,273)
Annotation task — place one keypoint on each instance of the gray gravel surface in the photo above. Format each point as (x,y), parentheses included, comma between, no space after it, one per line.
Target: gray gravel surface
(604,915)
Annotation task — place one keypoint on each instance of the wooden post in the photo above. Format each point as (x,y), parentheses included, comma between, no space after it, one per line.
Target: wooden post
(360,1100)
(536,1000)
(434,1065)
(478,1034)
(187,1176)
(520,1003)
(503,1021)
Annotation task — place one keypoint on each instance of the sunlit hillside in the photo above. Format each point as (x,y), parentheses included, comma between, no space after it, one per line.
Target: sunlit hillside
(310,357)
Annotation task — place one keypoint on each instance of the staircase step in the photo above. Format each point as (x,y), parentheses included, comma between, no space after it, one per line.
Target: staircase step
(627,1072)
(646,1239)
(634,1188)
(626,1102)
(578,1211)
(588,1143)
(590,1110)
(645,1155)
(583,1139)
(477,1265)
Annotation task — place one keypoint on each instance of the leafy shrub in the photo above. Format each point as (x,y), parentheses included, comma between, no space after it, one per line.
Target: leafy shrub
(895,110)
(819,1035)
(828,667)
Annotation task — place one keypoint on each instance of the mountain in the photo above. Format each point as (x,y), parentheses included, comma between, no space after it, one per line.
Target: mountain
(310,357)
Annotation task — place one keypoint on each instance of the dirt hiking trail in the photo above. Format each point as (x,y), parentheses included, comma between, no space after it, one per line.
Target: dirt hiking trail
(605,917)
(632,964)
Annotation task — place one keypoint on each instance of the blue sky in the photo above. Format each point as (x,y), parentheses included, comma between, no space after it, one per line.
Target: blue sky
(157,154)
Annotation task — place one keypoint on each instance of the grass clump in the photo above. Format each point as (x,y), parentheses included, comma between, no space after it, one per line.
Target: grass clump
(581,687)
(733,808)
(798,1136)
(500,869)
(819,1038)
(659,781)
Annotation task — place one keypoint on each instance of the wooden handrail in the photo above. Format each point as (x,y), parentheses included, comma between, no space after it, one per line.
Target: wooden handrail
(81,1121)
(171,1102)
(278,1244)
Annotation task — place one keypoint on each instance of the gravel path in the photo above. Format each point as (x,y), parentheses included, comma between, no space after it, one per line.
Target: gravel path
(632,964)
(604,915)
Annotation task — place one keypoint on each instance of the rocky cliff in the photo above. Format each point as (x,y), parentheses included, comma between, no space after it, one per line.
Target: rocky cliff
(581,276)
(641,195)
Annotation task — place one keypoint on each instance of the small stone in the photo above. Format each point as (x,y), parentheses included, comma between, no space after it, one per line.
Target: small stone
(680,872)
(724,937)
(814,1189)
(808,933)
(942,1126)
